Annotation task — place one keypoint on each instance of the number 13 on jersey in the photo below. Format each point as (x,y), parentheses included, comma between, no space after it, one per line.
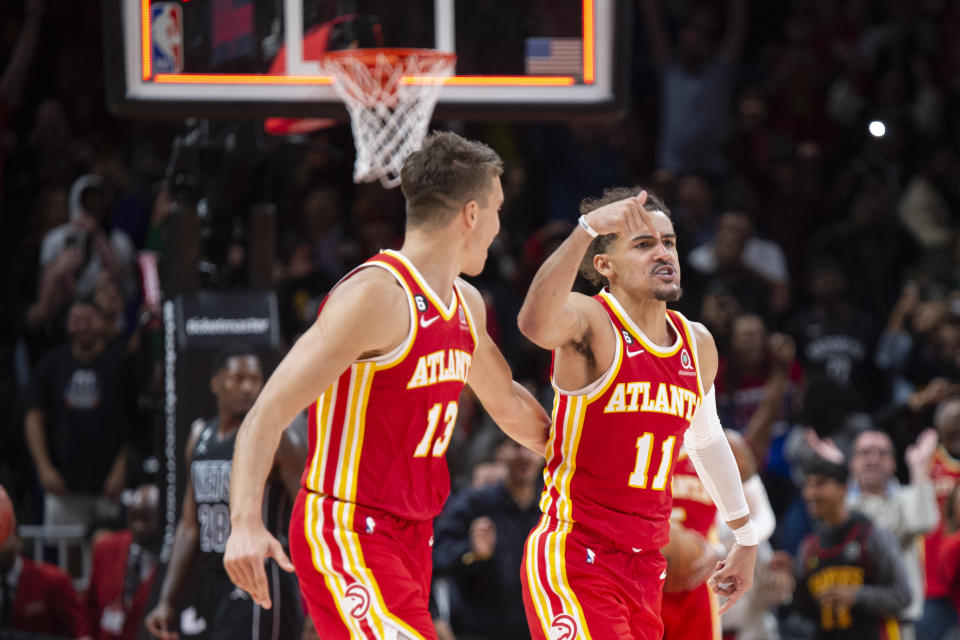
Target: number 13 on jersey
(433,419)
(639,477)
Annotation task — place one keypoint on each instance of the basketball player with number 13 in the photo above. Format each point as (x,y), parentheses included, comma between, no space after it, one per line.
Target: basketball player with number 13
(383,366)
(633,382)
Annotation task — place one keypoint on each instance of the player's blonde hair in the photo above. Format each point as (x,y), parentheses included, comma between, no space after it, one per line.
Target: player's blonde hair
(447,172)
(601,243)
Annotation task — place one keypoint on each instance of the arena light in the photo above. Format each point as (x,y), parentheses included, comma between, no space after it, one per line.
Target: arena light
(877,129)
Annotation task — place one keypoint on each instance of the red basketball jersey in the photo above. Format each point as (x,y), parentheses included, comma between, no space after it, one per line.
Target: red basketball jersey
(945,473)
(692,505)
(378,435)
(613,444)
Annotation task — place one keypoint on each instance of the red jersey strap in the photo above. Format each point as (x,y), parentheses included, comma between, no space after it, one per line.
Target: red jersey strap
(691,339)
(400,274)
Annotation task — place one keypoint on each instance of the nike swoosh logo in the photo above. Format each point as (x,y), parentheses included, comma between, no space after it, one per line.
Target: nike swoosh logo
(663,576)
(632,354)
(426,323)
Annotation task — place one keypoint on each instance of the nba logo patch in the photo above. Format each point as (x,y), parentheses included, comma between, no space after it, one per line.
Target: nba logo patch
(591,556)
(166,35)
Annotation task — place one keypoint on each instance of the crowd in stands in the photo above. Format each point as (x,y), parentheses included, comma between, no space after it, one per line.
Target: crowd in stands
(809,152)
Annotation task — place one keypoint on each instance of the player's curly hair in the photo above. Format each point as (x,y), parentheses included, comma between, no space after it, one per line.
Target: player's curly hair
(447,172)
(601,243)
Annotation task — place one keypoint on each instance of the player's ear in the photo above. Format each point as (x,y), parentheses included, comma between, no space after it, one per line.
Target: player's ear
(215,385)
(601,262)
(471,214)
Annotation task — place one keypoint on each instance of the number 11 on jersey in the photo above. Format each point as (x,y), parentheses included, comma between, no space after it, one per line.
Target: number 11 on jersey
(638,478)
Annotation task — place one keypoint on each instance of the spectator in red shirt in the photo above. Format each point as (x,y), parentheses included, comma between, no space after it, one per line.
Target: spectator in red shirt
(35,596)
(124,567)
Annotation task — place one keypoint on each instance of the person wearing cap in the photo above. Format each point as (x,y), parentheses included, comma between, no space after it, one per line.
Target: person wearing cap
(851,582)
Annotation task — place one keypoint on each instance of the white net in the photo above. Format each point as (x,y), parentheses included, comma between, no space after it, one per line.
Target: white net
(390,94)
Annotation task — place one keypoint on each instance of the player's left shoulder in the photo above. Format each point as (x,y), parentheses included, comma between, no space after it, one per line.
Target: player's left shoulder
(474,300)
(707,356)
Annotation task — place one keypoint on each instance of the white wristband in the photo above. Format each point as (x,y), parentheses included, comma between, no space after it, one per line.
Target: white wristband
(586,227)
(746,536)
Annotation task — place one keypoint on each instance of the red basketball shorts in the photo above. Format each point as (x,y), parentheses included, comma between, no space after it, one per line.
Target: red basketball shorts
(363,573)
(577,587)
(691,615)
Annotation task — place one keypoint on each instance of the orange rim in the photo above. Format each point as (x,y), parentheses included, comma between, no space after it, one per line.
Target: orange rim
(393,55)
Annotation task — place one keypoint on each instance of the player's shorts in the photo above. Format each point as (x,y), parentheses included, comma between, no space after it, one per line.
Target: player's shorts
(578,587)
(231,614)
(363,573)
(691,615)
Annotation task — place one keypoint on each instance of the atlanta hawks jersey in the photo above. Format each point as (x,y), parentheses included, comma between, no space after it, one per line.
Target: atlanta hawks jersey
(613,444)
(692,505)
(945,474)
(378,435)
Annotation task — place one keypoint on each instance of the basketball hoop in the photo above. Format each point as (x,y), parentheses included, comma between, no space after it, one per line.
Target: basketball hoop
(390,94)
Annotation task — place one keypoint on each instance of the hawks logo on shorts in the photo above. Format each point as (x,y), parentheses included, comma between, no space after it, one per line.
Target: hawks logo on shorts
(563,627)
(357,600)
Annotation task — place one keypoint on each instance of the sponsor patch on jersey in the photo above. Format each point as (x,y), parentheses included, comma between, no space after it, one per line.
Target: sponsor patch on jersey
(685,360)
(463,317)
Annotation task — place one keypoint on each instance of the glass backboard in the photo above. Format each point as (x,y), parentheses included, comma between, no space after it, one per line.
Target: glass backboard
(254,58)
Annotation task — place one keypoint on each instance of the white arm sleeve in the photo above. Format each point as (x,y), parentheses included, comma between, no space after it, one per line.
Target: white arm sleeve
(761,513)
(711,456)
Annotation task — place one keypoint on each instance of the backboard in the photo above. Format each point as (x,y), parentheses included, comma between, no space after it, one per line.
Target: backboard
(532,59)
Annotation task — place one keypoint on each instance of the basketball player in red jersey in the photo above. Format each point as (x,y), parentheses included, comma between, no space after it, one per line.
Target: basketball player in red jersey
(630,378)
(383,366)
(692,612)
(939,612)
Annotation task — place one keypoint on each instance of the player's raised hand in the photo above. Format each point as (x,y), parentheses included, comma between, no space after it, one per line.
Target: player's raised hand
(248,546)
(734,575)
(623,216)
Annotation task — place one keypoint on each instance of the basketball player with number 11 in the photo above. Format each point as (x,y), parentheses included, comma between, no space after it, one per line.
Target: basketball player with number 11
(383,366)
(633,382)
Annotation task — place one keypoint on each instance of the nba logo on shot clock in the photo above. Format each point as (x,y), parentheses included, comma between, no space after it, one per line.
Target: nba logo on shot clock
(166,31)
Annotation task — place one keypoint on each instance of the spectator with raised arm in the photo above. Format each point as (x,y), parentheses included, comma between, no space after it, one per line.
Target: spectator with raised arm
(850,579)
(697,83)
(908,511)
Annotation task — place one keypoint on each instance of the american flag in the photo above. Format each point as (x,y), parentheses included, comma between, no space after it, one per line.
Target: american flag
(553,56)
